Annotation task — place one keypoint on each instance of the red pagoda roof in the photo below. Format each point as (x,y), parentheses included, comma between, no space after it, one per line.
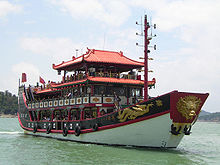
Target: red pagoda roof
(104,80)
(100,56)
(116,80)
(46,90)
(69,83)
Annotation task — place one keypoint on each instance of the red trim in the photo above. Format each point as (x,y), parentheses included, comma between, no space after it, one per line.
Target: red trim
(101,79)
(24,99)
(174,98)
(96,79)
(100,128)
(19,120)
(127,123)
(47,90)
(69,83)
(30,115)
(116,80)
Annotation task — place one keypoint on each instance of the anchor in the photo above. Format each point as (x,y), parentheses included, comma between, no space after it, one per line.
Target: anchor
(187,130)
(174,130)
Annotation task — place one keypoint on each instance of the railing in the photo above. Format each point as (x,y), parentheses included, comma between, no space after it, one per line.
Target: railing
(99,100)
(81,76)
(115,75)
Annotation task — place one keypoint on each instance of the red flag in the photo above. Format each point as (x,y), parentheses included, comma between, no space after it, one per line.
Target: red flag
(24,77)
(42,81)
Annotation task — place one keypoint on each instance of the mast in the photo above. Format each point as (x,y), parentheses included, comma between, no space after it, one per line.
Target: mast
(146,43)
(147,39)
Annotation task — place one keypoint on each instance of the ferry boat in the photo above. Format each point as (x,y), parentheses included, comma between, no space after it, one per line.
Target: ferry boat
(103,99)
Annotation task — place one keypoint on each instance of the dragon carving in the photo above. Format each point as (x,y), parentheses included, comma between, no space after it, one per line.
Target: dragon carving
(133,113)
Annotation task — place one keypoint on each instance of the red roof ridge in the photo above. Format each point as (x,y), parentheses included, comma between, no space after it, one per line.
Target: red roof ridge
(97,58)
(69,83)
(106,51)
(120,53)
(116,80)
(132,59)
(73,59)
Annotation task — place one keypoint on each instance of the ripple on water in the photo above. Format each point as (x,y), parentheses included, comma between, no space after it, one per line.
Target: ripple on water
(201,147)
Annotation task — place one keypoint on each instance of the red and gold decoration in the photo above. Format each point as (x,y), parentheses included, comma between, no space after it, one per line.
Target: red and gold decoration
(131,114)
(188,106)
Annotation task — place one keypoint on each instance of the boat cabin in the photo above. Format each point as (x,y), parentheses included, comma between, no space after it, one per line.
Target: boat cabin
(94,84)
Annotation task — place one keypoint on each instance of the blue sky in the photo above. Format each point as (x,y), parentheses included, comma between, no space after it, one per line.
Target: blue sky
(36,34)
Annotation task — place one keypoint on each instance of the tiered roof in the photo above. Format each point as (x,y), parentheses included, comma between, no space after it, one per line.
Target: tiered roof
(104,80)
(90,79)
(99,56)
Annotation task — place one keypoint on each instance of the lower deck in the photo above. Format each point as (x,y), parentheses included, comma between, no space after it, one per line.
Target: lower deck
(154,132)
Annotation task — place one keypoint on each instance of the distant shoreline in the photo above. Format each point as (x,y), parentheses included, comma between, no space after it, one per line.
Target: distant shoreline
(213,121)
(7,116)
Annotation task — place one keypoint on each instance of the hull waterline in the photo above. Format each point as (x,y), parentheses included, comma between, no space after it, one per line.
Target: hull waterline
(148,133)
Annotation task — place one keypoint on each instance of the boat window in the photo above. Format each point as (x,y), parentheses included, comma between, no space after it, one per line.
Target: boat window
(120,91)
(99,89)
(61,114)
(90,113)
(109,90)
(102,112)
(68,93)
(83,90)
(45,115)
(75,114)
(88,90)
(135,92)
(110,110)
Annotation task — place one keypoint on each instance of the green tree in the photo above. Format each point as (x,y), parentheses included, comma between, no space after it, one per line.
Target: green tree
(8,103)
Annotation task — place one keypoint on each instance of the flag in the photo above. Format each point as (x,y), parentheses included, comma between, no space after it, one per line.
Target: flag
(42,80)
(24,78)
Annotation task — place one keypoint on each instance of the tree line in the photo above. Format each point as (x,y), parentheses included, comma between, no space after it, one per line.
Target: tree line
(8,103)
(215,117)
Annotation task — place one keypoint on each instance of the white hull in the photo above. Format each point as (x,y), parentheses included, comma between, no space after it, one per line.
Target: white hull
(153,132)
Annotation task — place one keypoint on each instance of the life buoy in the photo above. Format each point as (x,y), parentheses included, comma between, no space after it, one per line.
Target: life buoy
(77,130)
(65,131)
(35,128)
(48,129)
(95,127)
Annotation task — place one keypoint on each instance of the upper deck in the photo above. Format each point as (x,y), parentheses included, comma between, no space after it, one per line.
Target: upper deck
(92,78)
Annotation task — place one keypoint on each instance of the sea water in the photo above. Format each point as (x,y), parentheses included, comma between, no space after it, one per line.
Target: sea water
(16,148)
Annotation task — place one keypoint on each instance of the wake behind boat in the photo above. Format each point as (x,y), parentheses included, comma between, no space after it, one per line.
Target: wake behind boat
(102,99)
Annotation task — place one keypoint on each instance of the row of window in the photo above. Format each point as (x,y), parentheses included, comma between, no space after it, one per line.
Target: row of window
(64,114)
(120,91)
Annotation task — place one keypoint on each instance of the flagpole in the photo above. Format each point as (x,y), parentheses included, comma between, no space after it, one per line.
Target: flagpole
(146,42)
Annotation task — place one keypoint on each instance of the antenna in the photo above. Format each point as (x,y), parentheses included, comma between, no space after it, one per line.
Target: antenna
(151,26)
(141,27)
(147,38)
(77,52)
